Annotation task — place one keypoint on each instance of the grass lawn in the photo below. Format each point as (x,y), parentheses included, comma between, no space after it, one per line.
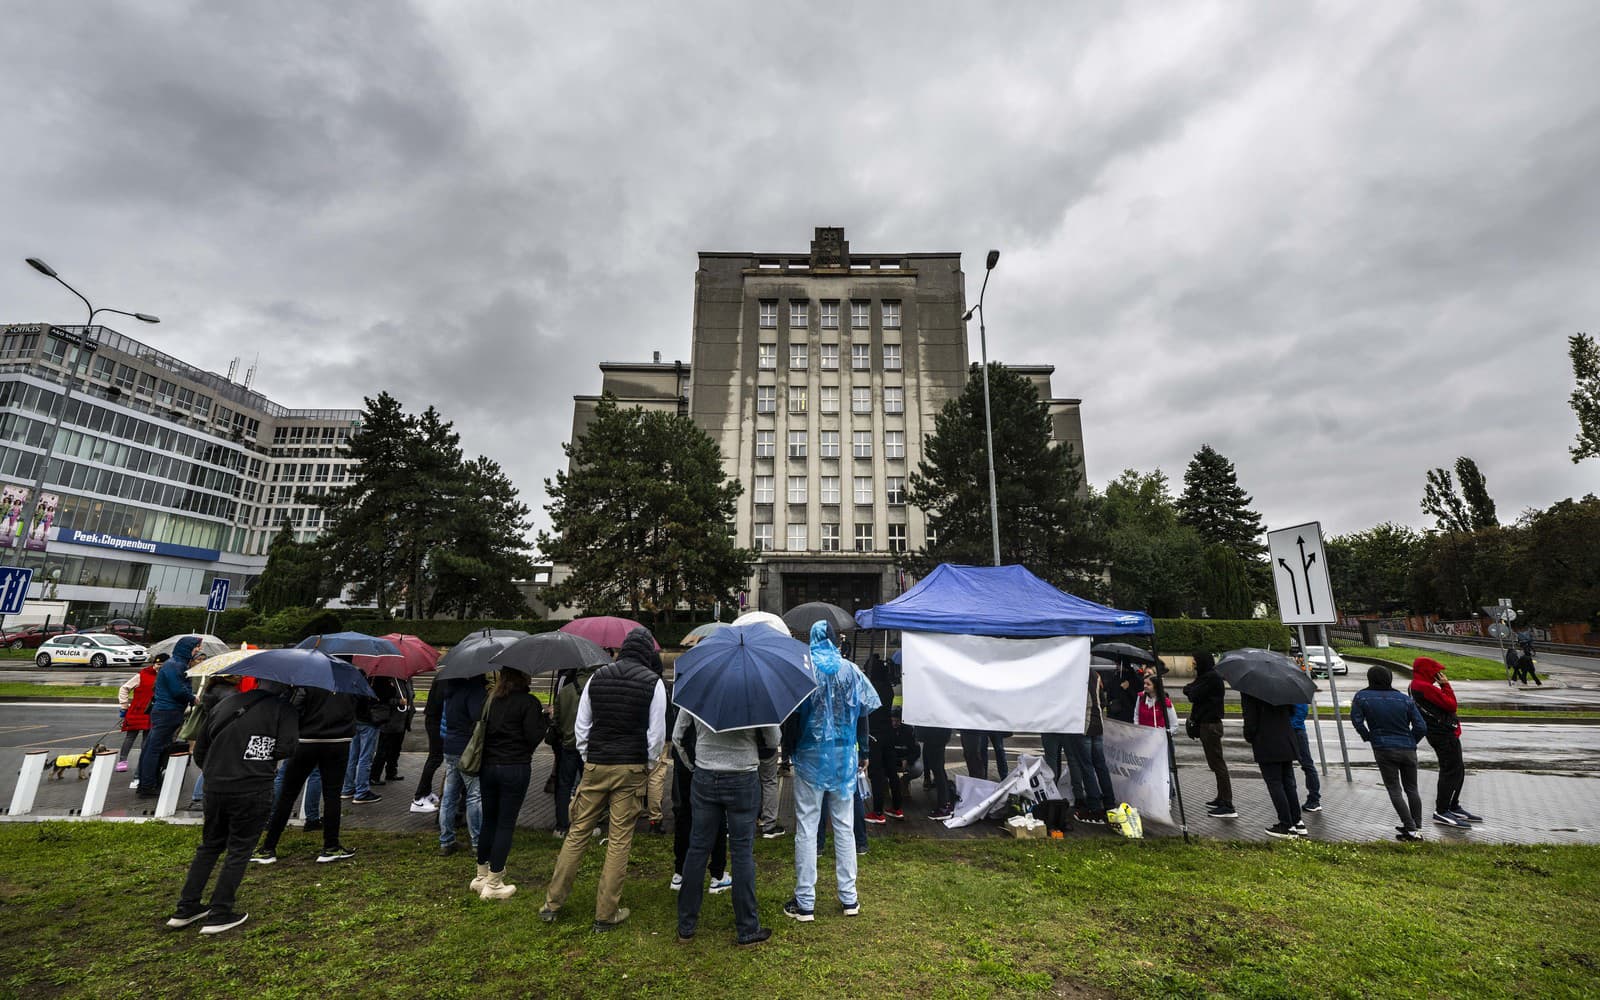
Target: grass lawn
(81,906)
(1457,667)
(24,689)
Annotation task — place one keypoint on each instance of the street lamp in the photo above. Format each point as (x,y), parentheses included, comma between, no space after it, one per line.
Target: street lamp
(988,421)
(86,346)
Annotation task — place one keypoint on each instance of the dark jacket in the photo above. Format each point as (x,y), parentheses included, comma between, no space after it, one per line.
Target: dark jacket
(463,707)
(325,716)
(565,710)
(619,703)
(1387,719)
(433,718)
(244,738)
(216,692)
(1120,701)
(1094,722)
(515,728)
(384,711)
(172,680)
(1205,693)
(882,679)
(1268,730)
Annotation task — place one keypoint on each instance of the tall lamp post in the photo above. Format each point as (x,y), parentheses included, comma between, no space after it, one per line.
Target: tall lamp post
(86,346)
(988,421)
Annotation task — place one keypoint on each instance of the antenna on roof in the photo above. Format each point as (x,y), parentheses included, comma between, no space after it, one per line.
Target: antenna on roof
(250,376)
(233,369)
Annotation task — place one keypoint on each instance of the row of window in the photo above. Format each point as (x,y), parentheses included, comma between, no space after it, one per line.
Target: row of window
(111,518)
(798,537)
(828,314)
(894,399)
(764,489)
(894,444)
(828,357)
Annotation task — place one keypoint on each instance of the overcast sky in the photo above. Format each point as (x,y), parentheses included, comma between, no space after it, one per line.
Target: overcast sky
(1340,243)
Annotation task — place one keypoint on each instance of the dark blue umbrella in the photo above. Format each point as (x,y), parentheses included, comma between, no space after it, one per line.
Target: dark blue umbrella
(304,668)
(742,677)
(350,644)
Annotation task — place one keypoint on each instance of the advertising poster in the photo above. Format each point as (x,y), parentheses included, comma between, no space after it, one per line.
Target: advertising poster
(13,507)
(44,515)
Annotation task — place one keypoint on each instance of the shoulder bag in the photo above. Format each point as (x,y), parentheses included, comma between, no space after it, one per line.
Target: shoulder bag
(471,760)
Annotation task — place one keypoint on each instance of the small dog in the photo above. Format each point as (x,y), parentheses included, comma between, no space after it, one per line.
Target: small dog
(81,761)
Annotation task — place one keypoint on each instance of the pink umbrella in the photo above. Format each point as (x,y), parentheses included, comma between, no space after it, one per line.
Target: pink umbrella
(416,657)
(603,630)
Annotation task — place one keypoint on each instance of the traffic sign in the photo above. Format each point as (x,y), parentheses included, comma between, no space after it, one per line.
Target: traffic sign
(1300,573)
(1499,631)
(14,583)
(219,595)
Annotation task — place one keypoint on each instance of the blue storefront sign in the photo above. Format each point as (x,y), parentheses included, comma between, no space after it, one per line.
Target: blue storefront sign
(73,536)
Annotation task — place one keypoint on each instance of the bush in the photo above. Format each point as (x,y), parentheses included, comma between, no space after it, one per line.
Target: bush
(1186,636)
(290,625)
(168,622)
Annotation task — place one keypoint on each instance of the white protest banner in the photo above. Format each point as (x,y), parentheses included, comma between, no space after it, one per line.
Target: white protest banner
(1140,776)
(977,798)
(986,682)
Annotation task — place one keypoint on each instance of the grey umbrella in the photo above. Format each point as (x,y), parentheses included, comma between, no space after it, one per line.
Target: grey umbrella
(800,618)
(551,652)
(470,657)
(1272,677)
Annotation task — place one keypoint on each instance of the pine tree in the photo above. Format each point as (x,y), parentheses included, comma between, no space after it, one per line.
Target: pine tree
(363,540)
(295,576)
(1225,587)
(1215,505)
(474,572)
(1585,397)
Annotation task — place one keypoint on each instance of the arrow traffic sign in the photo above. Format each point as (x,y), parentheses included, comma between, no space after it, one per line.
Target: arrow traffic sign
(219,595)
(1300,573)
(14,583)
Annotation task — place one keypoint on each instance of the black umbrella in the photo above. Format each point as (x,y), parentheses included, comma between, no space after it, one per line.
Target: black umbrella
(1272,677)
(1124,651)
(800,619)
(470,657)
(551,652)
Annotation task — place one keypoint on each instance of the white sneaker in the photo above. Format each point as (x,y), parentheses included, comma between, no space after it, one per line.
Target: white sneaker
(422,805)
(134,783)
(433,799)
(722,884)
(677,882)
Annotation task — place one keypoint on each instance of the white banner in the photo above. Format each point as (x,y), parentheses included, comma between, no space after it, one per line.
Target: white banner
(1140,775)
(977,798)
(985,682)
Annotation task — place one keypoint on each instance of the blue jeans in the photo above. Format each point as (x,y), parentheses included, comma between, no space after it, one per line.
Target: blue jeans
(807,813)
(1308,767)
(454,783)
(733,797)
(358,770)
(1086,758)
(859,825)
(163,726)
(313,790)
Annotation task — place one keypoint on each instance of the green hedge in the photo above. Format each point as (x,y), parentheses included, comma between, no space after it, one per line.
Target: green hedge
(168,622)
(1186,636)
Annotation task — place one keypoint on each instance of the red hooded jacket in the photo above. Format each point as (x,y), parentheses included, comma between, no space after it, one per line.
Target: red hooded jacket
(1426,686)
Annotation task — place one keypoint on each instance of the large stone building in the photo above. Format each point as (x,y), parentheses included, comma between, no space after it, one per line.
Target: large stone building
(819,374)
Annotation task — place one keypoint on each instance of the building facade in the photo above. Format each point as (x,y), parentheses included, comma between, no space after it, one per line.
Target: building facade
(153,477)
(819,374)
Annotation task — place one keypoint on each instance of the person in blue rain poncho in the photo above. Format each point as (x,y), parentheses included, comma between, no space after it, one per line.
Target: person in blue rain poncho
(831,749)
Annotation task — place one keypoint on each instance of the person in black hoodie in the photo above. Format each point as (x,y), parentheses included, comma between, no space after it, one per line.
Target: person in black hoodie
(1122,693)
(425,800)
(881,769)
(1269,730)
(327,725)
(1205,694)
(238,752)
(513,729)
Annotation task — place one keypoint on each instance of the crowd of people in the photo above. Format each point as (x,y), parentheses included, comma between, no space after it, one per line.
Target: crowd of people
(615,734)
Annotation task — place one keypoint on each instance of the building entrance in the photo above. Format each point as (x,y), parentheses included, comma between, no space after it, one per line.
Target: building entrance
(851,591)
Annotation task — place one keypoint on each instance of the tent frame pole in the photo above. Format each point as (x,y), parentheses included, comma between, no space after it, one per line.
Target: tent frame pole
(1172,752)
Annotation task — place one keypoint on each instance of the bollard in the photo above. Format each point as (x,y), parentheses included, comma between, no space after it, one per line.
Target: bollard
(33,764)
(100,772)
(172,786)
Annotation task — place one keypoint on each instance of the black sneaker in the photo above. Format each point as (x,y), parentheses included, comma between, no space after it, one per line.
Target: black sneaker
(1464,816)
(1223,811)
(366,797)
(754,939)
(1281,831)
(941,814)
(445,850)
(1299,830)
(335,854)
(769,832)
(183,916)
(851,909)
(1446,819)
(311,826)
(792,909)
(216,923)
(1409,836)
(1312,806)
(265,857)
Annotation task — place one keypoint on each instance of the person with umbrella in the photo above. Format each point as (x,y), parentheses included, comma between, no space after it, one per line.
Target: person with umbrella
(172,696)
(514,726)
(828,754)
(464,698)
(238,752)
(620,729)
(327,727)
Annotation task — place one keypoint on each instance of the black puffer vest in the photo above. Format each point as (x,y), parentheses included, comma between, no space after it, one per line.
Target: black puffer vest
(619,712)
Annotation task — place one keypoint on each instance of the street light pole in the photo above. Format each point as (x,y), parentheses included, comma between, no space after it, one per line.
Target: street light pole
(86,346)
(988,420)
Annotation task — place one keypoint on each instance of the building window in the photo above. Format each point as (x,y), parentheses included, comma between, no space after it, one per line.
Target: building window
(797,399)
(799,315)
(933,535)
(829,355)
(769,314)
(125,378)
(863,538)
(797,444)
(766,399)
(797,489)
(861,399)
(894,399)
(164,391)
(764,489)
(894,444)
(830,538)
(891,357)
(829,444)
(797,538)
(830,315)
(860,314)
(891,315)
(829,490)
(861,444)
(863,489)
(797,356)
(765,444)
(897,538)
(861,357)
(767,356)
(828,398)
(894,490)
(763,537)
(104,366)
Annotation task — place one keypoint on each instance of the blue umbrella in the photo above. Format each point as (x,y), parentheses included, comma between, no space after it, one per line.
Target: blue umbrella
(350,644)
(304,668)
(741,677)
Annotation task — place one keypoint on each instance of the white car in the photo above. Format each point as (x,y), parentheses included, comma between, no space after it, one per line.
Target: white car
(95,649)
(1315,656)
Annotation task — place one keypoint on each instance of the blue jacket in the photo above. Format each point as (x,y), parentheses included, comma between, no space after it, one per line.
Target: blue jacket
(1389,720)
(172,680)
(1298,719)
(463,705)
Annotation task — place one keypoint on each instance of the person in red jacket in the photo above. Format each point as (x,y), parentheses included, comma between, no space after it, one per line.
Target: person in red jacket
(1435,699)
(134,696)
